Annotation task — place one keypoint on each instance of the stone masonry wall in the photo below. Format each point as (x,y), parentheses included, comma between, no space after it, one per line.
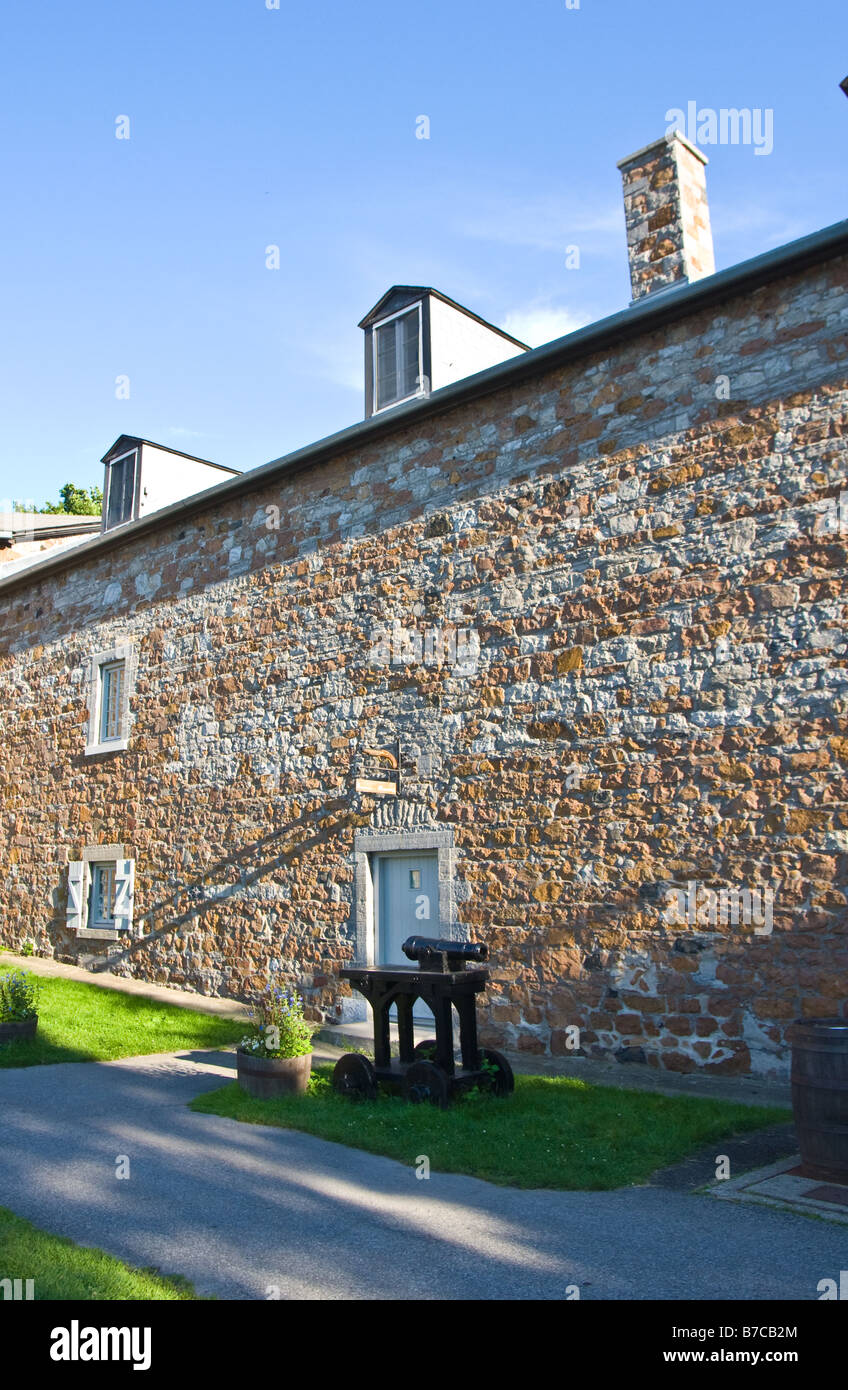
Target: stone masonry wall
(647,547)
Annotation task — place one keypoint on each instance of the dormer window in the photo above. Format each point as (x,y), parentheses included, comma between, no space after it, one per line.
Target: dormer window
(141,477)
(120,498)
(417,341)
(397,358)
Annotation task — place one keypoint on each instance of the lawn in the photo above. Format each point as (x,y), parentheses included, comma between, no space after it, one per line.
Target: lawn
(553,1132)
(60,1269)
(86,1023)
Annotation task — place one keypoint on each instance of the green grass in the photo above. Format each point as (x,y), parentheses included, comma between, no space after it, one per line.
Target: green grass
(86,1023)
(61,1269)
(553,1132)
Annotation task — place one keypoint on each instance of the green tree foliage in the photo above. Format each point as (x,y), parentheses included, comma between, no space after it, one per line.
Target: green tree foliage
(76,501)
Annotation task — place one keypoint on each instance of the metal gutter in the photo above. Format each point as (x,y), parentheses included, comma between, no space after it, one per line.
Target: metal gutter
(54,531)
(650,313)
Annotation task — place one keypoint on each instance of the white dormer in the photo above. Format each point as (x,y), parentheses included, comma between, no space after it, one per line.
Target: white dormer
(141,477)
(417,340)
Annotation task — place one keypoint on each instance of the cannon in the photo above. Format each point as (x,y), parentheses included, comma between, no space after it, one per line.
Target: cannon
(433,953)
(446,975)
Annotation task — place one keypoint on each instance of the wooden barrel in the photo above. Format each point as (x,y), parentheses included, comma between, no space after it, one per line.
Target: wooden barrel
(266,1077)
(820,1096)
(14,1032)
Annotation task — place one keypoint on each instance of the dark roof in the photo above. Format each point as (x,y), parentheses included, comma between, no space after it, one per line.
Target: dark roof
(50,525)
(401,295)
(649,313)
(125,442)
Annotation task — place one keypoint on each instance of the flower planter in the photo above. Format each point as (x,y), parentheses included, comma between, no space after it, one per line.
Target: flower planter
(264,1077)
(24,1028)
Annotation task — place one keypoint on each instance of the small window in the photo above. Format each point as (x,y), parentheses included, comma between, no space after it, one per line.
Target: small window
(101,906)
(110,686)
(101,891)
(397,358)
(121,499)
(112,701)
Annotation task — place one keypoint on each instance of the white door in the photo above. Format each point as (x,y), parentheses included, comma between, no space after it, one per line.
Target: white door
(406,903)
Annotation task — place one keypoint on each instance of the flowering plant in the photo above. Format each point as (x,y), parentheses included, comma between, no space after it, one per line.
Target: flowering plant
(18,996)
(278,1028)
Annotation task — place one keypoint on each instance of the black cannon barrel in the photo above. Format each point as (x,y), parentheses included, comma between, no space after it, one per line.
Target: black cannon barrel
(416,947)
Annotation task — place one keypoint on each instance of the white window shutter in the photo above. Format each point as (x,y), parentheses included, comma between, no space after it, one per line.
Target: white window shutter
(75,916)
(124,890)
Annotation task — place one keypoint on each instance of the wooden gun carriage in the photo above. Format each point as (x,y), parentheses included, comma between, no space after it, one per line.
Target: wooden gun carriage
(445,976)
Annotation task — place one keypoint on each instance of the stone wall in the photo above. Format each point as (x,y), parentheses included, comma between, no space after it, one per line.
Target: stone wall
(643,548)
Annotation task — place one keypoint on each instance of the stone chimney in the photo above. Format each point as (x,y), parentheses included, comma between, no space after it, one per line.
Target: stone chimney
(669,241)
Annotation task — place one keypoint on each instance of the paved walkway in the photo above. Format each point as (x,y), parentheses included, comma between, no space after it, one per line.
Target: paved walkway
(241,1209)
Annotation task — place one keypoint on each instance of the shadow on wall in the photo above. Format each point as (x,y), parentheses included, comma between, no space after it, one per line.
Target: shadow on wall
(333,817)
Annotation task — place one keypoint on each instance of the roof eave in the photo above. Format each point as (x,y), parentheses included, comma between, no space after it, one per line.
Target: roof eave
(648,314)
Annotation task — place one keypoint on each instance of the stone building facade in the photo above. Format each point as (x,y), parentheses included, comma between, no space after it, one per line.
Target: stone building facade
(590,602)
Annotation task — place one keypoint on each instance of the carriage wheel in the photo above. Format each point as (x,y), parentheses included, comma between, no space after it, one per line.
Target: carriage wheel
(425,1051)
(354,1076)
(502,1083)
(427,1084)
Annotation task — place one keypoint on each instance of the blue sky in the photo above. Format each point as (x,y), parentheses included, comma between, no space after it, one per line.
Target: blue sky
(296,127)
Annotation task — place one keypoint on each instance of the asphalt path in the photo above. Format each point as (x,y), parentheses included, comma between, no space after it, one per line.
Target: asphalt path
(249,1212)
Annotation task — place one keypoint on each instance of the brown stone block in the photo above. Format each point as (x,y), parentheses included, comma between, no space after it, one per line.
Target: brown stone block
(605,1021)
(680,1025)
(677,1061)
(705,1026)
(642,1003)
(736,1065)
(569,660)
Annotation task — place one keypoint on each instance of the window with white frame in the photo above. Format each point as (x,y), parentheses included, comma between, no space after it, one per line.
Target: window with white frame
(120,499)
(101,889)
(397,358)
(112,679)
(108,700)
(101,899)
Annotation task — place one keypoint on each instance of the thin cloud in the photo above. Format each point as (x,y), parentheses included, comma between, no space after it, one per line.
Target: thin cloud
(180,432)
(540,323)
(545,224)
(343,366)
(772,226)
